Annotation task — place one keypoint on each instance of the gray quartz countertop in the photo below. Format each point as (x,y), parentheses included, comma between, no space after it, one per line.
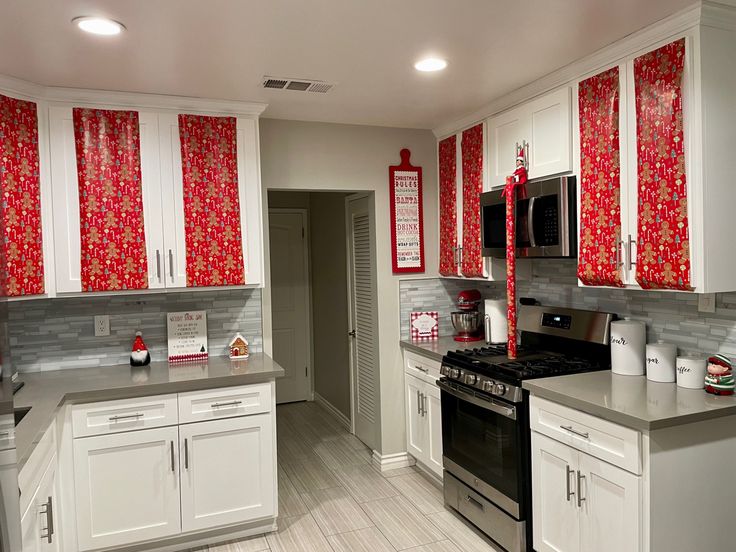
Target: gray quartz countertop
(45,392)
(632,401)
(438,348)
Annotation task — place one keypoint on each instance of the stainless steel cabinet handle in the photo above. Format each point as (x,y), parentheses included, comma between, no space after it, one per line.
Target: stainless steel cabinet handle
(581,498)
(171,265)
(424,404)
(126,417)
(421,368)
(186,454)
(585,435)
(223,404)
(460,257)
(455,254)
(173,469)
(530,222)
(631,243)
(568,473)
(619,260)
(470,500)
(48,511)
(419,403)
(158,265)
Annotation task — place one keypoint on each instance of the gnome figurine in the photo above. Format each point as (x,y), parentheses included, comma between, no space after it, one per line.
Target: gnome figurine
(139,356)
(719,379)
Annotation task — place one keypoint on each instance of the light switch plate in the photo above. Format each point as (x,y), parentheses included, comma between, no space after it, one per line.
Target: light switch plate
(707,302)
(102,325)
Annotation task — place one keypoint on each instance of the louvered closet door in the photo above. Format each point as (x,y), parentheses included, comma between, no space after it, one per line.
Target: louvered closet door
(364,320)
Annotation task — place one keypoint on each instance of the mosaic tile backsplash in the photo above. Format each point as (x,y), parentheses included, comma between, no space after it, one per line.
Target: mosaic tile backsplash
(671,317)
(52,334)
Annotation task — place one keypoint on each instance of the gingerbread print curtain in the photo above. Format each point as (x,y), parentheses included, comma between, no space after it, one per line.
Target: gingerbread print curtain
(214,248)
(600,185)
(472,158)
(448,205)
(22,272)
(663,244)
(113,241)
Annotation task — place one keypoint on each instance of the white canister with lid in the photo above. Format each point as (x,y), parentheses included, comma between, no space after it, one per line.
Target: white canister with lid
(628,342)
(691,372)
(661,358)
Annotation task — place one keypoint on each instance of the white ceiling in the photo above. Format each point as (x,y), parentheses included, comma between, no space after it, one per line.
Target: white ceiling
(222,48)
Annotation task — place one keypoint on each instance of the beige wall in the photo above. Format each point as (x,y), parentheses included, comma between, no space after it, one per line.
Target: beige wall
(321,156)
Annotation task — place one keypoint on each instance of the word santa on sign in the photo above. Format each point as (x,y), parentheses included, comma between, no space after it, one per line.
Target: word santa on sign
(407,218)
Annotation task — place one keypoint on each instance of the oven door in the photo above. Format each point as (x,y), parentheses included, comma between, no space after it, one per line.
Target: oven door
(483,445)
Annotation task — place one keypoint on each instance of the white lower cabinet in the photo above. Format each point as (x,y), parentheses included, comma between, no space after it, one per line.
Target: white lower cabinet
(423,412)
(226,471)
(39,523)
(127,487)
(581,503)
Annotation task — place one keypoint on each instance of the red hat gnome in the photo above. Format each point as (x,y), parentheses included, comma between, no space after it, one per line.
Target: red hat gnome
(139,356)
(719,379)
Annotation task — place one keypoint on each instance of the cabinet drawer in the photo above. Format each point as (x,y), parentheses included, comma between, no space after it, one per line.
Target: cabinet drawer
(617,445)
(124,415)
(421,367)
(214,404)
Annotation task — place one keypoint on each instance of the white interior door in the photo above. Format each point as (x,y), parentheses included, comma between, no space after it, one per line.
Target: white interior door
(363,318)
(290,303)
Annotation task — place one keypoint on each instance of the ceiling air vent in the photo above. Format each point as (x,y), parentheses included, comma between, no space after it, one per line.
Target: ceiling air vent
(298,85)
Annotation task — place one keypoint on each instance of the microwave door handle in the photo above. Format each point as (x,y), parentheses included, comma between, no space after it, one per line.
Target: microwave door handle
(530,222)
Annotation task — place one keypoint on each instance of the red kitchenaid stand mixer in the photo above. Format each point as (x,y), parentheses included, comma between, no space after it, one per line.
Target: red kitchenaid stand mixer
(467,321)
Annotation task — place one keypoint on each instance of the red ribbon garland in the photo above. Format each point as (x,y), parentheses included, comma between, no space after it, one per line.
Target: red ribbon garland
(513,183)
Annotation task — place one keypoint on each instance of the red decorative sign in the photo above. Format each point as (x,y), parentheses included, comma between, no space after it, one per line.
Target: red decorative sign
(407,220)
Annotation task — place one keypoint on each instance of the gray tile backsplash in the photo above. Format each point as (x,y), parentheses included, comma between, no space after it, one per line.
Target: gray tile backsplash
(670,316)
(52,334)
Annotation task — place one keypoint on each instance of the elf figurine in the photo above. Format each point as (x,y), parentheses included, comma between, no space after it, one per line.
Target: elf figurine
(519,177)
(719,379)
(139,356)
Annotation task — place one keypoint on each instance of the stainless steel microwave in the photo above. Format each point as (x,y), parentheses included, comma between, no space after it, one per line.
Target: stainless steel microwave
(546,221)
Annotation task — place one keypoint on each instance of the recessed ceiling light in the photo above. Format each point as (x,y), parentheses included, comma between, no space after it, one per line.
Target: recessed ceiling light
(430,64)
(98,25)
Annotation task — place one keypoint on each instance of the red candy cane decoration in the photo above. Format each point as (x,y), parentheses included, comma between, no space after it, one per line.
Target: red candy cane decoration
(517,180)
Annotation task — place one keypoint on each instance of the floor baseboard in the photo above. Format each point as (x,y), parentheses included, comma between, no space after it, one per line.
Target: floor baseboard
(387,462)
(327,405)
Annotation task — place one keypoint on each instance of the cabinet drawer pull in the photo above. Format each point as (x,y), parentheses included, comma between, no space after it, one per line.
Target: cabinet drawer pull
(470,500)
(424,404)
(126,417)
(224,404)
(421,368)
(568,473)
(173,469)
(48,511)
(584,435)
(186,454)
(581,498)
(419,403)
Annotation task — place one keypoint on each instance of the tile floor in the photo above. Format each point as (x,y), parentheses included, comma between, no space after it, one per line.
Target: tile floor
(332,500)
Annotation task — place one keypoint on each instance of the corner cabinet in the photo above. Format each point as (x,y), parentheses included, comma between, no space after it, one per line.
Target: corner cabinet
(543,126)
(423,412)
(162,231)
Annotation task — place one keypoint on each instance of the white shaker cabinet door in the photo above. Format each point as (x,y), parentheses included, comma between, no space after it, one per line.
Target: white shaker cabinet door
(434,432)
(39,526)
(127,487)
(506,131)
(416,427)
(551,134)
(227,471)
(610,508)
(554,499)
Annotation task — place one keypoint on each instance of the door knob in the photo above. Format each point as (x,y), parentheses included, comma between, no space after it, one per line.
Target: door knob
(351,333)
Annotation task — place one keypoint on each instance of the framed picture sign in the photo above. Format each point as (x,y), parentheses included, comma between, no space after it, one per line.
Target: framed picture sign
(407,217)
(187,332)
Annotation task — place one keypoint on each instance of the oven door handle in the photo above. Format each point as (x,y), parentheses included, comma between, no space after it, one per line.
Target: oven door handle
(530,222)
(493,406)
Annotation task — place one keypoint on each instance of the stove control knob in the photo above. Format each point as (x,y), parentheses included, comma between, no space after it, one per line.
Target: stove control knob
(454,373)
(470,379)
(444,370)
(499,389)
(487,386)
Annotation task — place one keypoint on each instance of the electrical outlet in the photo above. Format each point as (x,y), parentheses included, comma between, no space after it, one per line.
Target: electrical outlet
(707,302)
(102,326)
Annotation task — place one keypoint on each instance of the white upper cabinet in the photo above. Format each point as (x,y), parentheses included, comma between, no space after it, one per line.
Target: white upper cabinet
(164,222)
(543,126)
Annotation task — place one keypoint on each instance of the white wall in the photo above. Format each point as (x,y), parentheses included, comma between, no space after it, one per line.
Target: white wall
(321,156)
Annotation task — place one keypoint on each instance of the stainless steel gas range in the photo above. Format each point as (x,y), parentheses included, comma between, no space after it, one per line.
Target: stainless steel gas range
(485,415)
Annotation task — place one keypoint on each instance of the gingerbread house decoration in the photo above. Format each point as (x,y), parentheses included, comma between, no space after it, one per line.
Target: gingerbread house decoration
(239,347)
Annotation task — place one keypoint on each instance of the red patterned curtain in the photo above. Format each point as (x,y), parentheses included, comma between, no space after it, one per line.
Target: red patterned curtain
(448,205)
(22,272)
(472,158)
(110,200)
(663,243)
(211,203)
(600,184)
